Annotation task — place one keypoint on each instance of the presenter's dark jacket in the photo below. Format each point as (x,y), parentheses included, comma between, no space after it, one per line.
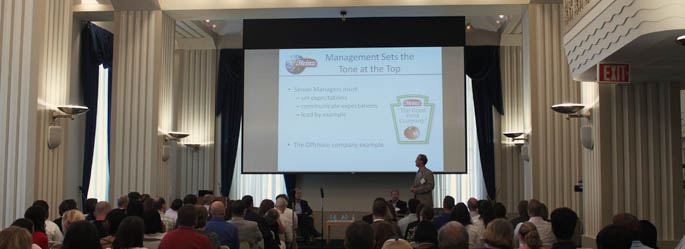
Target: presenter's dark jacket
(306,210)
(402,205)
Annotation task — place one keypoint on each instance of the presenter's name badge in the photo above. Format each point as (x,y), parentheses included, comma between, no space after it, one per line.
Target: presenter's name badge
(412,116)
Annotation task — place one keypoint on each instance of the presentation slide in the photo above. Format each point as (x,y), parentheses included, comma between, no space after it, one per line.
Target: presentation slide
(354,110)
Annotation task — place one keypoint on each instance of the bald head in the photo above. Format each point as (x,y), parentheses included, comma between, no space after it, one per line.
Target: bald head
(217,209)
(473,204)
(453,235)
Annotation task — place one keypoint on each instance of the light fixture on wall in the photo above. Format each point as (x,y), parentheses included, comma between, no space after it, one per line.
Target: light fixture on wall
(193,146)
(55,131)
(171,136)
(572,109)
(516,136)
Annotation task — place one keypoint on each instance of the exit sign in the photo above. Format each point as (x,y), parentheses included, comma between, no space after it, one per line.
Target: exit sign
(613,73)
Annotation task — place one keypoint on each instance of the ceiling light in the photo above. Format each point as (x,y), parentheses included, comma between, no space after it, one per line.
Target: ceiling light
(498,21)
(680,40)
(469,27)
(207,20)
(213,25)
(501,16)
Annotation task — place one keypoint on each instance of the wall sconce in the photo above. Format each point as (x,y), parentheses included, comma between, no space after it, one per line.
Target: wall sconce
(516,136)
(571,110)
(193,146)
(55,131)
(175,136)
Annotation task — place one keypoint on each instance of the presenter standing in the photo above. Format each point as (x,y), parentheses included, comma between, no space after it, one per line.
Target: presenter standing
(423,182)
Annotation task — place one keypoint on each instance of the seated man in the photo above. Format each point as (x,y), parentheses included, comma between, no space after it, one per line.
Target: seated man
(184,236)
(248,231)
(399,205)
(101,210)
(359,235)
(447,206)
(228,233)
(411,217)
(250,210)
(304,216)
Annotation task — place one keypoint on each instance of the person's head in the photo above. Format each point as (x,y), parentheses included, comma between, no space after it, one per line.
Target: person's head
(614,237)
(499,234)
(207,199)
(380,208)
(421,160)
(145,197)
(67,205)
(523,208)
(159,204)
(461,214)
(500,210)
(248,201)
(486,211)
(89,207)
(15,238)
(81,234)
(448,204)
(648,234)
(271,216)
(427,213)
(238,209)
(395,243)
(218,209)
(281,203)
(630,222)
(101,210)
(426,232)
(534,208)
(134,196)
(395,195)
(153,222)
(383,231)
(71,217)
(148,204)
(473,204)
(265,206)
(453,235)
(131,233)
(37,215)
(190,199)
(545,211)
(298,194)
(176,204)
(113,220)
(202,216)
(412,205)
(359,235)
(187,216)
(564,222)
(122,202)
(24,223)
(135,208)
(44,205)
(529,235)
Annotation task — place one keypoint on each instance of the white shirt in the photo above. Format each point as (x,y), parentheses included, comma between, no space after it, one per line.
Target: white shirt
(474,236)
(289,220)
(681,245)
(544,229)
(171,214)
(404,223)
(478,226)
(52,231)
(638,245)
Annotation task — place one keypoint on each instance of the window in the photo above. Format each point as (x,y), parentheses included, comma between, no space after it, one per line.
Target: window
(99,175)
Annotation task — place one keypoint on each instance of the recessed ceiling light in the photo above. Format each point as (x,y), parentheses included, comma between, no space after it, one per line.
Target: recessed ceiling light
(214,25)
(498,21)
(680,40)
(501,16)
(469,27)
(207,20)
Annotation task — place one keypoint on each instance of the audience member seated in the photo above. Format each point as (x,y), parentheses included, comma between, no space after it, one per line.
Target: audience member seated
(134,208)
(391,215)
(530,238)
(500,210)
(631,223)
(383,231)
(523,213)
(101,210)
(379,211)
(447,206)
(66,205)
(207,201)
(201,225)
(461,214)
(37,215)
(130,233)
(184,237)
(28,225)
(248,231)
(304,216)
(81,234)
(112,222)
(15,238)
(159,204)
(53,231)
(648,233)
(425,214)
(190,199)
(477,222)
(498,235)
(544,213)
(122,202)
(544,228)
(399,206)
(288,219)
(396,243)
(227,232)
(486,212)
(359,235)
(454,235)
(426,236)
(172,212)
(134,196)
(269,225)
(411,217)
(564,222)
(71,217)
(89,209)
(614,237)
(250,211)
(154,229)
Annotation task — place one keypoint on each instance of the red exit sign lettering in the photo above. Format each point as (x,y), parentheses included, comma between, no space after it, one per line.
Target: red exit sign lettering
(613,73)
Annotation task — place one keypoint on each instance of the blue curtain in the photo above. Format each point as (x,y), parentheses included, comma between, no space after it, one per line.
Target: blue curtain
(96,49)
(229,104)
(483,67)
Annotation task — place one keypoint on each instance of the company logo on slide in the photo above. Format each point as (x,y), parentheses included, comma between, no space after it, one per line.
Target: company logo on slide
(296,64)
(412,116)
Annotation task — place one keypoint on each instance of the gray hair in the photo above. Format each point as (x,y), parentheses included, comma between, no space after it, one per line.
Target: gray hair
(281,203)
(453,235)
